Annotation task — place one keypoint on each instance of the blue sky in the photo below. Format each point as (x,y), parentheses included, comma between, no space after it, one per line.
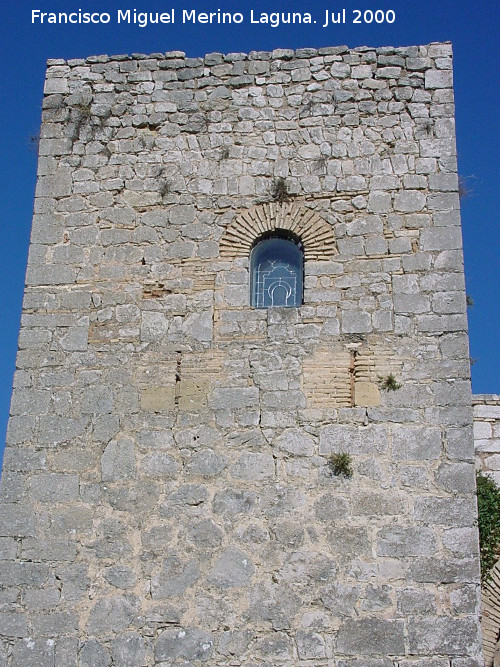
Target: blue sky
(471,26)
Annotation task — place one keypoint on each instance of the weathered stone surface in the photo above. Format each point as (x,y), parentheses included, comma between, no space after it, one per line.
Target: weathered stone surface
(397,541)
(371,636)
(366,394)
(93,654)
(174,578)
(189,644)
(253,466)
(120,576)
(296,442)
(31,652)
(129,650)
(353,439)
(443,635)
(16,520)
(55,487)
(112,614)
(416,443)
(13,624)
(233,569)
(118,460)
(206,463)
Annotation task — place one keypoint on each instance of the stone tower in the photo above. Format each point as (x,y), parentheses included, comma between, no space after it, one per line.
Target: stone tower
(171,491)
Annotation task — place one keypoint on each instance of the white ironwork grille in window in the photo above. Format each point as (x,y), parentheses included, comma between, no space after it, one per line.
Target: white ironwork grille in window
(277,273)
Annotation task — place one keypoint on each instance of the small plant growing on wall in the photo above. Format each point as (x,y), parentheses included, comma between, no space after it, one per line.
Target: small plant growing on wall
(83,108)
(280,191)
(340,465)
(390,383)
(488,513)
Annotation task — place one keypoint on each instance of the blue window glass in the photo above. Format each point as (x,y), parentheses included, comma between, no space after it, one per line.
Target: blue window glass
(277,267)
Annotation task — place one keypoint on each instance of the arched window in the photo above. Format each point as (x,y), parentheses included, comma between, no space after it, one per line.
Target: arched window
(277,272)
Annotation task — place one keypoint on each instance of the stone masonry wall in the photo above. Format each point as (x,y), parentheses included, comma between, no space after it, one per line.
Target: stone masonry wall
(486,414)
(168,495)
(486,411)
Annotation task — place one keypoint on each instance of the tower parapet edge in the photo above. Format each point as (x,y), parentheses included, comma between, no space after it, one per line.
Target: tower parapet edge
(169,492)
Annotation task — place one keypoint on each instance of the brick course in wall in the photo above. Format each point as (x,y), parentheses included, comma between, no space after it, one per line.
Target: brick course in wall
(167,494)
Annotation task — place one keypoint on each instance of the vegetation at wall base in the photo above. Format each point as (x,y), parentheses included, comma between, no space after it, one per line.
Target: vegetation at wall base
(488,507)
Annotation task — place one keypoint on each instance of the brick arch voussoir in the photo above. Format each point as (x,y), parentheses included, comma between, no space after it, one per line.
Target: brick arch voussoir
(315,233)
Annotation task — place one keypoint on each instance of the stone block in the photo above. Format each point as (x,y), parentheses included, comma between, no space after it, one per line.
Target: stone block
(13,624)
(440,238)
(456,478)
(356,322)
(444,571)
(112,614)
(206,463)
(233,502)
(182,214)
(409,201)
(76,339)
(54,429)
(205,534)
(417,602)
(48,550)
(361,72)
(118,460)
(348,543)
(234,398)
(190,644)
(340,599)
(56,185)
(443,182)
(416,444)
(438,79)
(93,654)
(50,623)
(129,650)
(200,325)
(158,399)
(174,578)
(403,541)
(374,503)
(54,487)
(120,576)
(233,569)
(374,636)
(372,662)
(443,635)
(372,440)
(283,400)
(295,442)
(461,542)
(411,303)
(50,275)
(157,466)
(104,428)
(23,459)
(253,466)
(29,651)
(29,401)
(154,326)
(449,512)
(193,394)
(19,429)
